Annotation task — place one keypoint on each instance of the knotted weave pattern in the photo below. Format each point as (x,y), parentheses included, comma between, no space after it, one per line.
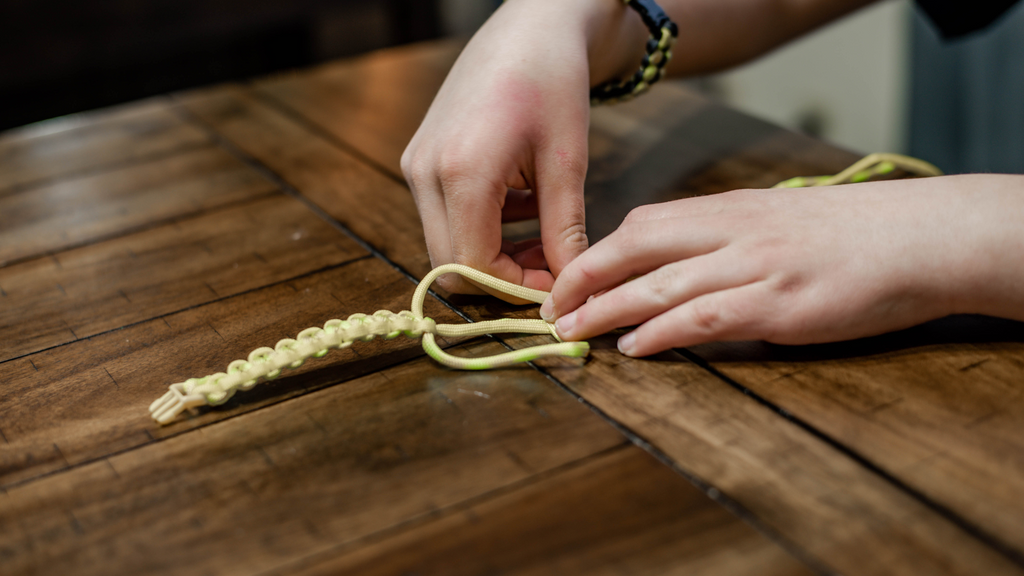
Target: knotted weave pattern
(267,363)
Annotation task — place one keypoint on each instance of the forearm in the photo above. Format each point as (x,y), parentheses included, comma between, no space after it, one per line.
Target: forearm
(713,34)
(985,272)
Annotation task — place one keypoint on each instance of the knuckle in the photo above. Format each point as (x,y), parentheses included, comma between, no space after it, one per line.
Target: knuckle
(638,214)
(707,315)
(454,164)
(586,273)
(406,163)
(787,285)
(417,172)
(576,236)
(629,240)
(660,285)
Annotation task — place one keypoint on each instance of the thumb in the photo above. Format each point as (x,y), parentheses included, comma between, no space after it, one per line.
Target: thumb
(559,181)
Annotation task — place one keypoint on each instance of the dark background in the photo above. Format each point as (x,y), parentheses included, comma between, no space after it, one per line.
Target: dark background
(63,56)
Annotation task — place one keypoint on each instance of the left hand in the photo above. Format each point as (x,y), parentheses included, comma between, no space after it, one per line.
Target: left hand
(800,266)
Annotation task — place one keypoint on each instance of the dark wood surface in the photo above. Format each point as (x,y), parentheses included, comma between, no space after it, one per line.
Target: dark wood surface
(161,240)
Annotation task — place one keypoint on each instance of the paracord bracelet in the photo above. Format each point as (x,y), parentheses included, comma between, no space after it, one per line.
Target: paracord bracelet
(659,51)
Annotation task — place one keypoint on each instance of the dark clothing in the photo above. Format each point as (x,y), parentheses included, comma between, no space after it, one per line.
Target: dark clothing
(955,18)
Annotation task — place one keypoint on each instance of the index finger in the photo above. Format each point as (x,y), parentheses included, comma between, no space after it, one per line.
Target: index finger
(632,250)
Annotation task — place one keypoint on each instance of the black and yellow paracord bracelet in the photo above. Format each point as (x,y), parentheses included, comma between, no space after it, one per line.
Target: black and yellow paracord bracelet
(659,50)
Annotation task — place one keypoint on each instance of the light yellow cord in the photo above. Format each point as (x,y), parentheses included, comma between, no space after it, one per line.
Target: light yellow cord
(267,363)
(871,165)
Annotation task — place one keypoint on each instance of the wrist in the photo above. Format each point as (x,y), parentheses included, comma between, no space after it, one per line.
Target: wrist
(990,239)
(616,37)
(613,35)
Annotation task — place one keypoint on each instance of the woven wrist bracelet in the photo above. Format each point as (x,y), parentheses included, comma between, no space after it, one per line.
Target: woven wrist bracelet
(652,67)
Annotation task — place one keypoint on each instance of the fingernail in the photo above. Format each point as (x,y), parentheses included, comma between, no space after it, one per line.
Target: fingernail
(547,309)
(565,323)
(626,343)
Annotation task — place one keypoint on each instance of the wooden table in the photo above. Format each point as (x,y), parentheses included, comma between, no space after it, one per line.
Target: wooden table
(161,240)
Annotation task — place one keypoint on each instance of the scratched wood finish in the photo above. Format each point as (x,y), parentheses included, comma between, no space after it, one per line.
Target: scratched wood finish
(671,145)
(373,103)
(79,293)
(92,142)
(294,478)
(667,145)
(77,211)
(86,400)
(831,506)
(75,410)
(377,208)
(322,470)
(622,512)
(939,406)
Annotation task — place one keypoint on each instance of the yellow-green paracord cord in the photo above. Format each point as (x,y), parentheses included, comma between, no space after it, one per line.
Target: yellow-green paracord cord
(267,363)
(877,164)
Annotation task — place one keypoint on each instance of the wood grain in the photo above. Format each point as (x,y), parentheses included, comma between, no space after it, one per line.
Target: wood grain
(373,103)
(43,152)
(371,204)
(672,144)
(828,504)
(79,293)
(939,406)
(622,512)
(77,211)
(905,458)
(86,400)
(301,476)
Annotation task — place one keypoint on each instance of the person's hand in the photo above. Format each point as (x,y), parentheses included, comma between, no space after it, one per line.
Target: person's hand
(506,138)
(800,266)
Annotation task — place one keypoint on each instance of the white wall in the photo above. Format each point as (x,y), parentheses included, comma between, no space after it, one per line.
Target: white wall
(846,82)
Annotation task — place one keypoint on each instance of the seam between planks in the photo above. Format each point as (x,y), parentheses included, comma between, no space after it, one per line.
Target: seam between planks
(272,402)
(410,524)
(125,232)
(976,531)
(192,307)
(32,185)
(311,126)
(943,511)
(291,190)
(629,434)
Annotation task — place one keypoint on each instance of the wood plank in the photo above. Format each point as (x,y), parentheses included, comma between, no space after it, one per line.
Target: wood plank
(374,206)
(697,147)
(620,513)
(252,492)
(939,406)
(674,143)
(92,141)
(671,145)
(796,485)
(82,292)
(375,102)
(77,211)
(86,400)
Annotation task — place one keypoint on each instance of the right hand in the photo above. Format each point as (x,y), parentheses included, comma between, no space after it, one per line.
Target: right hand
(506,139)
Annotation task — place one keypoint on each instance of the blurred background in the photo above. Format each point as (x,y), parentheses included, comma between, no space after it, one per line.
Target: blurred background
(881,80)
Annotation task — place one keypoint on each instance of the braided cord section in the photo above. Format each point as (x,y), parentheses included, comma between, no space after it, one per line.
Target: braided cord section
(267,363)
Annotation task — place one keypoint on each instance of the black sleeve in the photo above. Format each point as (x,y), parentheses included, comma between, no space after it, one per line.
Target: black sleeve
(955,18)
